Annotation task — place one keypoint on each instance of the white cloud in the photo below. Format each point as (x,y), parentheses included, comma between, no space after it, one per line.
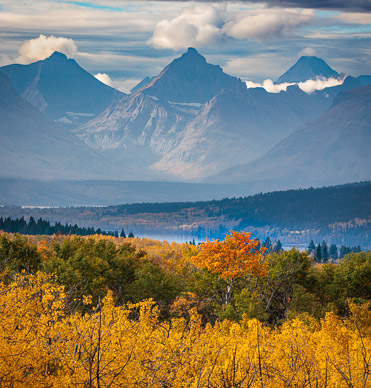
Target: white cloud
(320,83)
(265,24)
(207,24)
(197,25)
(269,86)
(103,77)
(308,86)
(42,47)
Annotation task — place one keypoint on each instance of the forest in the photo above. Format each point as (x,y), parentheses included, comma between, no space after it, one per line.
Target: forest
(301,207)
(338,214)
(20,225)
(105,311)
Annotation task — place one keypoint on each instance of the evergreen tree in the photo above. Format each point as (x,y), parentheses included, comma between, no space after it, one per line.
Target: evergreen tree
(131,235)
(31,226)
(311,247)
(319,253)
(344,251)
(333,252)
(278,247)
(324,251)
(268,244)
(122,234)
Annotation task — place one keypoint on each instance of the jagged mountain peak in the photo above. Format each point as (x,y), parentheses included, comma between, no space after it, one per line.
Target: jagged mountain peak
(307,67)
(56,56)
(61,89)
(59,59)
(189,78)
(192,50)
(191,55)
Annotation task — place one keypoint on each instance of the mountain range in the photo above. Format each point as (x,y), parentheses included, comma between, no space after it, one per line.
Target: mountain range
(192,122)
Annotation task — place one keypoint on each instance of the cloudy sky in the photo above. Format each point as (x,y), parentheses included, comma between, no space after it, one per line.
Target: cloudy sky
(124,41)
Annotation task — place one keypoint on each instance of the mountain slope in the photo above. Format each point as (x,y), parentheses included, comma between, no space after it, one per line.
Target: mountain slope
(34,146)
(307,68)
(237,125)
(137,130)
(364,80)
(326,97)
(332,149)
(145,81)
(61,89)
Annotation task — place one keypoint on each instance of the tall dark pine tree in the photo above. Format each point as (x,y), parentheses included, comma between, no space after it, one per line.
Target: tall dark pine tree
(343,251)
(278,247)
(268,244)
(31,226)
(311,247)
(333,252)
(324,252)
(319,253)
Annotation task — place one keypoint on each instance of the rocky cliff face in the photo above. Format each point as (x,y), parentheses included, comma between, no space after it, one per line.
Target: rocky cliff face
(237,124)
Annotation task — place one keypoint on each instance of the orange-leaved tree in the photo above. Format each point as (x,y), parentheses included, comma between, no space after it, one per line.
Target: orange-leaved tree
(236,257)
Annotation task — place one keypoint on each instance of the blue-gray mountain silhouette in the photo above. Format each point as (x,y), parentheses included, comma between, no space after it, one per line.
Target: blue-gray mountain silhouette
(190,79)
(332,149)
(61,89)
(145,81)
(34,146)
(189,122)
(307,68)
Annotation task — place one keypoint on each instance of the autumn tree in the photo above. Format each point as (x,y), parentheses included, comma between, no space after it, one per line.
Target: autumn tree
(236,257)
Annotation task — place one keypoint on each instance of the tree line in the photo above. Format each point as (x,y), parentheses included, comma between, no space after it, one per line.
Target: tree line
(40,227)
(322,253)
(300,207)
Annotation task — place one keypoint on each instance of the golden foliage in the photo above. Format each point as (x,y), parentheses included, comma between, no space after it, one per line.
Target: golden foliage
(236,256)
(127,346)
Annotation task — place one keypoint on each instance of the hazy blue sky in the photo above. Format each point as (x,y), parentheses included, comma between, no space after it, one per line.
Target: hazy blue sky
(128,40)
